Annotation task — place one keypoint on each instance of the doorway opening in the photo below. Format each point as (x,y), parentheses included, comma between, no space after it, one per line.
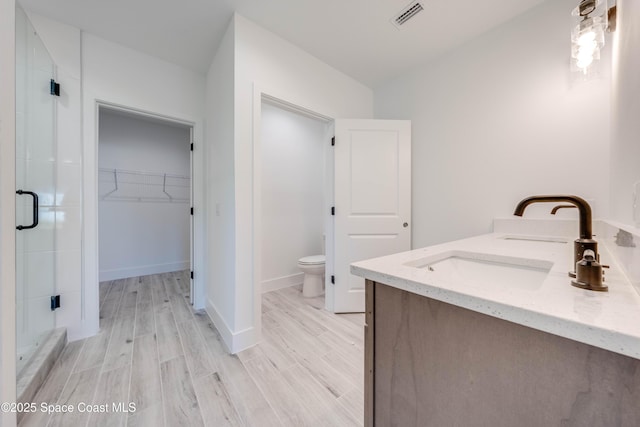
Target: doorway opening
(292,192)
(293,198)
(366,203)
(145,221)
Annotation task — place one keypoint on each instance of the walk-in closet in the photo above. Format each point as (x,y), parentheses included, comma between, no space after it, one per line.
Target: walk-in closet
(144,195)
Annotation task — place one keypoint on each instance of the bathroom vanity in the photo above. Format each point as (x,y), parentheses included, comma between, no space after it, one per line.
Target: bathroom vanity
(488,331)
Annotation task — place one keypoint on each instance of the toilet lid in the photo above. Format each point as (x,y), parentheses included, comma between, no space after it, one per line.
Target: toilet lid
(313,259)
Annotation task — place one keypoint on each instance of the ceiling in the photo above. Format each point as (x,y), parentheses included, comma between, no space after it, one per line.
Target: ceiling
(354,36)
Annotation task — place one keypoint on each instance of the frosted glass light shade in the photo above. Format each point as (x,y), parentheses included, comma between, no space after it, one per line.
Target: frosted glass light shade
(587,38)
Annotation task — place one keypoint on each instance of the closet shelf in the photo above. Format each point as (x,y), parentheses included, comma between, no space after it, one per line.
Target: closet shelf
(140,186)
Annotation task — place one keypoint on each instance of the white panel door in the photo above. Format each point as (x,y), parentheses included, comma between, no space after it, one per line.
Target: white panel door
(372,198)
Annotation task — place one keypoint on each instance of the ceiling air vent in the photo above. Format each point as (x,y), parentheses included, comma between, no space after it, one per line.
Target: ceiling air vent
(407,13)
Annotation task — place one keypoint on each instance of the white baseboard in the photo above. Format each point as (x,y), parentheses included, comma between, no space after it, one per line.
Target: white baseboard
(234,342)
(143,270)
(282,282)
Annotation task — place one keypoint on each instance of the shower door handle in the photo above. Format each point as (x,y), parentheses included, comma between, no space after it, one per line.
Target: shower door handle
(35,210)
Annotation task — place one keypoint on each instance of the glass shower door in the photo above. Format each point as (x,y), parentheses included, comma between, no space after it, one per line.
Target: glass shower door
(35,190)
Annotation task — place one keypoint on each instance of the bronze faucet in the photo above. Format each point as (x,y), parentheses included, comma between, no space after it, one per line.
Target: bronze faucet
(584,243)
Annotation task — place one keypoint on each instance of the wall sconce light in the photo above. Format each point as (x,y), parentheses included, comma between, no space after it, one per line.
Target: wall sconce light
(587,37)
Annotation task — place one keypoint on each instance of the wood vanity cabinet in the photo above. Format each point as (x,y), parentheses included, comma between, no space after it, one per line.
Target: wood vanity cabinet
(429,363)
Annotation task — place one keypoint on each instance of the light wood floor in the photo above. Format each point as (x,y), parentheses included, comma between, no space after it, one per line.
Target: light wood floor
(156,352)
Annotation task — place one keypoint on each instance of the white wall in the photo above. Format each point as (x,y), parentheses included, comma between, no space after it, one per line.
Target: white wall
(92,70)
(118,75)
(221,187)
(268,64)
(292,194)
(7,210)
(257,61)
(625,126)
(499,119)
(146,236)
(122,76)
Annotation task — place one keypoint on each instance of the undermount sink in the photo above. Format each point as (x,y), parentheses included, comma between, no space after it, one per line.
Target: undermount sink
(485,270)
(541,239)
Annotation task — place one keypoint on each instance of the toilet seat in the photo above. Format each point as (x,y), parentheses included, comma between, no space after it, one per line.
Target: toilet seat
(312,260)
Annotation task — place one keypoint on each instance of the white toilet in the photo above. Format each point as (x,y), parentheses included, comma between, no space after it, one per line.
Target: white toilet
(313,268)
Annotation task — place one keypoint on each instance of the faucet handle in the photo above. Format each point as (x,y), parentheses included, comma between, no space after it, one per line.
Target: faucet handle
(589,273)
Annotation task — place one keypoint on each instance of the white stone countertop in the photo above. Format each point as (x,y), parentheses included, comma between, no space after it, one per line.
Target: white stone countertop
(609,320)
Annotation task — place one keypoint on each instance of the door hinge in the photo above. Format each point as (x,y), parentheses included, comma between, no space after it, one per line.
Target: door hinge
(54,88)
(333,279)
(192,211)
(192,275)
(333,141)
(333,210)
(192,146)
(55,302)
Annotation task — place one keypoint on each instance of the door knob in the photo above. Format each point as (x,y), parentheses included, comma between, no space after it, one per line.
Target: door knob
(405,225)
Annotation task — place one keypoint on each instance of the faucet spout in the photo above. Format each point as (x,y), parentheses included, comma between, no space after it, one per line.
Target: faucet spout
(582,205)
(558,207)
